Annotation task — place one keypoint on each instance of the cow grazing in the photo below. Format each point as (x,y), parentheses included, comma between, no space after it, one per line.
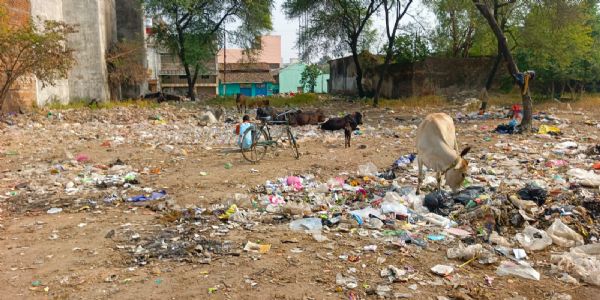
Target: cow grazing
(301,118)
(348,123)
(242,102)
(438,150)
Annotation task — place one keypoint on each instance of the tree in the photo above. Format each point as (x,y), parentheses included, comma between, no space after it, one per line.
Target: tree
(191,29)
(410,47)
(36,48)
(558,42)
(309,77)
(337,25)
(124,65)
(393,11)
(456,26)
(522,79)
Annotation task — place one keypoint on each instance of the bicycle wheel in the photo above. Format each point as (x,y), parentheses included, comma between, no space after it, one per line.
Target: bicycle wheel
(257,149)
(293,144)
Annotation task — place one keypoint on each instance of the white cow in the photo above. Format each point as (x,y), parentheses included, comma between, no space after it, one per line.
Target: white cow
(437,149)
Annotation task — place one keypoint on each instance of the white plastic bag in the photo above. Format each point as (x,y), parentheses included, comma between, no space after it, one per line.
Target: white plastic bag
(464,253)
(585,178)
(533,239)
(368,169)
(521,269)
(564,236)
(581,263)
(392,202)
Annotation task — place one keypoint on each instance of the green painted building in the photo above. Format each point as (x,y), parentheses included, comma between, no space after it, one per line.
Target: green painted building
(289,79)
(250,79)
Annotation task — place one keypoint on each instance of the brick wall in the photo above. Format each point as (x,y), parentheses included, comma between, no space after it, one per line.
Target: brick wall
(22,94)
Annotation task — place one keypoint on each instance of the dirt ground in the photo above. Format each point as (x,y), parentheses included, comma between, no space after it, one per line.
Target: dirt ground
(71,256)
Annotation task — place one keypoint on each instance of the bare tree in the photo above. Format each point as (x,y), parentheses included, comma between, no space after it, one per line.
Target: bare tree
(394,11)
(522,79)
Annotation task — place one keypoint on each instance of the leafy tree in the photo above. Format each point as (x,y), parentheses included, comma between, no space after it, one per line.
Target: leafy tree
(191,29)
(36,48)
(558,43)
(336,26)
(410,47)
(457,22)
(393,11)
(309,76)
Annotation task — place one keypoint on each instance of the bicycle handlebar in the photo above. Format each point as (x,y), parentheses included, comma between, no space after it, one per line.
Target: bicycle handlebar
(287,112)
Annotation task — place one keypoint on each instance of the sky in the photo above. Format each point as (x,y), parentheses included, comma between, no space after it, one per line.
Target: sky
(288,29)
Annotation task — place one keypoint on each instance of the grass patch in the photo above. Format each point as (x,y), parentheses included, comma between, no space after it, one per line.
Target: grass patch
(276,101)
(83,104)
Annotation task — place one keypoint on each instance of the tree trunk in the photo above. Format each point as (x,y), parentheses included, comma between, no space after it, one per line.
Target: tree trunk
(190,82)
(382,73)
(359,72)
(490,81)
(552,91)
(512,66)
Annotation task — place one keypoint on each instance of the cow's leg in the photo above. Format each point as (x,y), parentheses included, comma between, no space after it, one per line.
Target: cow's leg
(347,134)
(438,177)
(419,176)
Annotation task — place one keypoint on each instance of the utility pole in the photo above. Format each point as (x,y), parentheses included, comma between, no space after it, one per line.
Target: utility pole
(224,61)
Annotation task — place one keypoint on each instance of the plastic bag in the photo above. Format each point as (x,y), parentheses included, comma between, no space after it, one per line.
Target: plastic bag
(308,224)
(391,203)
(464,253)
(585,178)
(438,220)
(495,238)
(521,269)
(564,236)
(532,239)
(533,192)
(368,169)
(365,212)
(580,264)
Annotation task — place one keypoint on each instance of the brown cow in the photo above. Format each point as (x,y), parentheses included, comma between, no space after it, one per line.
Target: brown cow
(301,118)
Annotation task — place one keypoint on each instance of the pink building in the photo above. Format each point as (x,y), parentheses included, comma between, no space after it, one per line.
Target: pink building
(269,54)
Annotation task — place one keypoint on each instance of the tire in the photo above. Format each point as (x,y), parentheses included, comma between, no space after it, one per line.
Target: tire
(258,148)
(293,144)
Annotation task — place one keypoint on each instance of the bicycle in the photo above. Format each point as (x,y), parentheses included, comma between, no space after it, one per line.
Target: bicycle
(257,139)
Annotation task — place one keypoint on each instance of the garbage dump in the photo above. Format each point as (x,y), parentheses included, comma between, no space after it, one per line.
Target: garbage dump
(525,196)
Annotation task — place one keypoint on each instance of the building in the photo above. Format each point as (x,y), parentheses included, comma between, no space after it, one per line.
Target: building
(250,79)
(433,76)
(100,23)
(290,76)
(251,75)
(174,81)
(270,53)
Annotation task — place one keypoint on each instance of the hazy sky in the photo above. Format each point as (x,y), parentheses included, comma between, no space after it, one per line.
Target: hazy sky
(288,29)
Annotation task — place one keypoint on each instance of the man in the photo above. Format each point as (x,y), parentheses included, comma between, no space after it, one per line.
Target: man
(240,129)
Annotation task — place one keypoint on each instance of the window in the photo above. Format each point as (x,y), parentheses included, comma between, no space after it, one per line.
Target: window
(205,76)
(182,77)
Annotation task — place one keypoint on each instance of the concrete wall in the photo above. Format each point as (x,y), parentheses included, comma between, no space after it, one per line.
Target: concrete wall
(321,87)
(434,76)
(50,10)
(96,28)
(289,78)
(342,76)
